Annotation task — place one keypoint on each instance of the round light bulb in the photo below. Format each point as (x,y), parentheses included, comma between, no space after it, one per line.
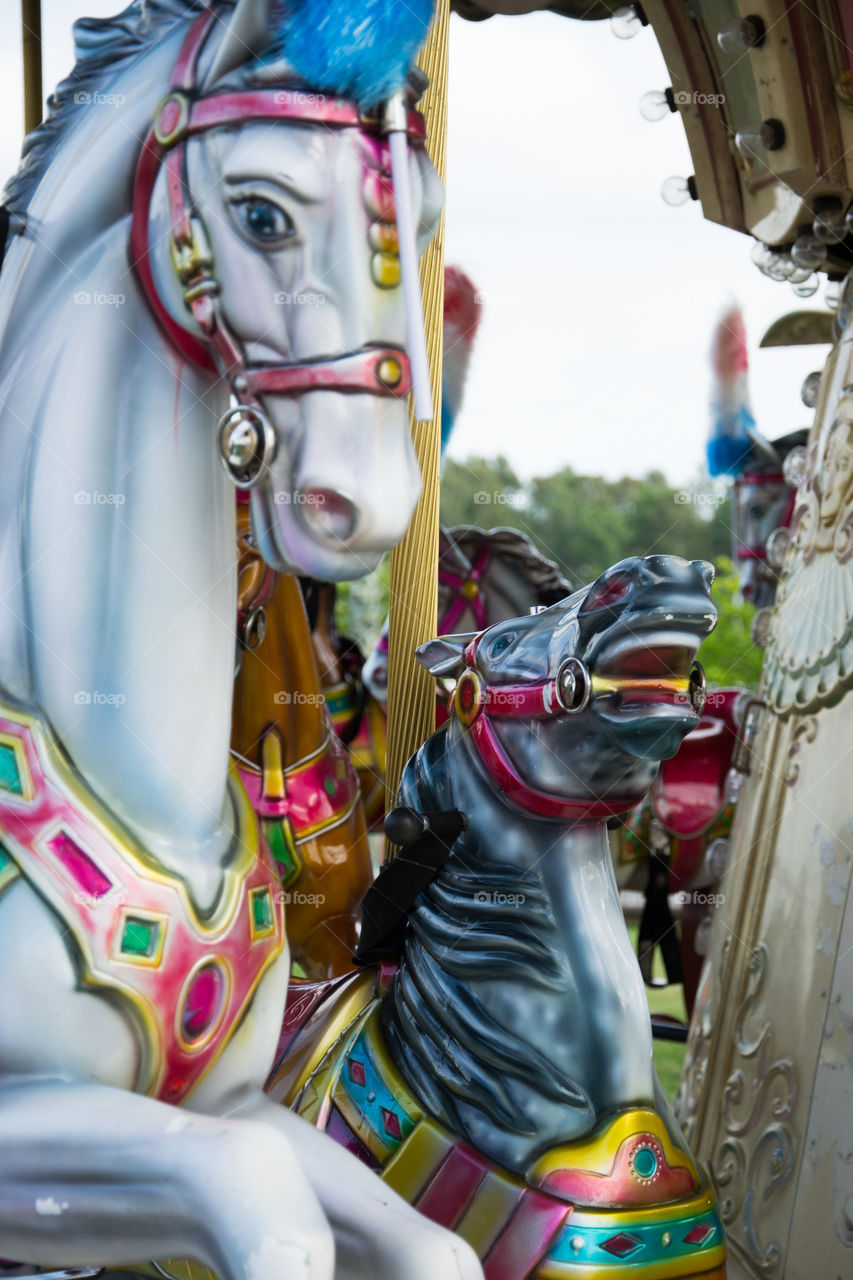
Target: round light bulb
(832,295)
(808,252)
(734,782)
(830,225)
(654,105)
(675,191)
(741,33)
(794,466)
(810,389)
(777,547)
(625,22)
(716,857)
(760,630)
(806,288)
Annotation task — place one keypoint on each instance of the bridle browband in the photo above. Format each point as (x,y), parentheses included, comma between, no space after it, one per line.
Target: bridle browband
(475,703)
(186,113)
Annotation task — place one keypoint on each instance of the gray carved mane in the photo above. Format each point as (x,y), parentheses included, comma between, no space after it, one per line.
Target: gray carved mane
(103,48)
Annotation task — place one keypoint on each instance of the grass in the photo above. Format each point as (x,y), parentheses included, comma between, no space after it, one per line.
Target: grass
(669,1055)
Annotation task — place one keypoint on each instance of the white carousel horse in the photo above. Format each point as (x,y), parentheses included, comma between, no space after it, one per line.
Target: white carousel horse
(143,959)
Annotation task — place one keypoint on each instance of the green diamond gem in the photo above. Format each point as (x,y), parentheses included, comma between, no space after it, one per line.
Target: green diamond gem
(140,937)
(280,841)
(330,786)
(10,774)
(262,911)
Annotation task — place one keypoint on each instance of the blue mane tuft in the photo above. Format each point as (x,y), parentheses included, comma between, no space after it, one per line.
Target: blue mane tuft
(359,49)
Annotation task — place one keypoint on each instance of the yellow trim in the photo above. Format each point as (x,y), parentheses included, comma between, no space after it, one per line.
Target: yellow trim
(607,684)
(328,824)
(299,766)
(489,1211)
(28,790)
(272,772)
(194,1046)
(413,1164)
(150,917)
(598,1153)
(646,1215)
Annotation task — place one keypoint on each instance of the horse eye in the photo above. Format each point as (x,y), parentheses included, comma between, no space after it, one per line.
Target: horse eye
(502,643)
(756,511)
(264,221)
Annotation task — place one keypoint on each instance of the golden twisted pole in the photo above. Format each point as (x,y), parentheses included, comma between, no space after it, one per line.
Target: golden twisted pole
(31,32)
(414,575)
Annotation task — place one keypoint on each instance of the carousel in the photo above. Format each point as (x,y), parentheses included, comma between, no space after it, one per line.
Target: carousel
(315,966)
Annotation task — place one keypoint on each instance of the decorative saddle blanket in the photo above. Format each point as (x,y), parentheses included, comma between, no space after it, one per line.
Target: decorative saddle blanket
(184,979)
(624,1199)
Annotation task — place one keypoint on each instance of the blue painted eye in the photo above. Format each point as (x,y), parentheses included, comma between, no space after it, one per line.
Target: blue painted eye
(502,643)
(264,221)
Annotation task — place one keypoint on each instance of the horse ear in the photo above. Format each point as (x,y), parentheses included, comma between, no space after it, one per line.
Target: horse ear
(247,34)
(444,656)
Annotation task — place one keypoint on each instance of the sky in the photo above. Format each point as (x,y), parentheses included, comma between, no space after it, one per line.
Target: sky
(599,300)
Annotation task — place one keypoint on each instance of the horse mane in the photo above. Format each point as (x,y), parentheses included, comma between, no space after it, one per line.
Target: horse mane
(517,550)
(102,47)
(477,917)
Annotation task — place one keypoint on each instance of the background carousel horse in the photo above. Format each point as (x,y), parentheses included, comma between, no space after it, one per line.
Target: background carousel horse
(143,957)
(501,1078)
(298,774)
(675,840)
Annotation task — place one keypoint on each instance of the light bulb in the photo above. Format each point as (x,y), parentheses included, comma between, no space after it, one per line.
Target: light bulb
(832,295)
(806,288)
(741,33)
(794,466)
(676,191)
(808,252)
(777,547)
(716,857)
(759,632)
(810,388)
(655,104)
(625,22)
(830,225)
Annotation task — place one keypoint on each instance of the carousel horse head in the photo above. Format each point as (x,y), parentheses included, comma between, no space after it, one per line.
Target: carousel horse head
(571,709)
(763,501)
(257,142)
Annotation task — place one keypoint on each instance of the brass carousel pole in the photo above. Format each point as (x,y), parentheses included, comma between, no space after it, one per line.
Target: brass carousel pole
(31,31)
(414,575)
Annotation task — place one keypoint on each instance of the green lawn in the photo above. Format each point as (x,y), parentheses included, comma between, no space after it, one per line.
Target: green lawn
(669,1055)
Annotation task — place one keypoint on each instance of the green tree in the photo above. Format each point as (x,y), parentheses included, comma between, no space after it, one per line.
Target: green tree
(728,655)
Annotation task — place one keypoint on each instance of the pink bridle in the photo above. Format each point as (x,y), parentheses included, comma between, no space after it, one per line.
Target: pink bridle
(475,703)
(468,592)
(185,113)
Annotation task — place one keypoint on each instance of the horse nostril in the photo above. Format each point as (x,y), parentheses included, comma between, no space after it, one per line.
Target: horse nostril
(328,515)
(706,572)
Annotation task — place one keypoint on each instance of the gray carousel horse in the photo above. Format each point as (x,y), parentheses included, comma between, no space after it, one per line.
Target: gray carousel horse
(500,1074)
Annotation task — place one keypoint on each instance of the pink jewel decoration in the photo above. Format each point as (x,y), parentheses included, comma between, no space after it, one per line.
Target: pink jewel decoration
(82,868)
(699,1234)
(203,1002)
(356,1071)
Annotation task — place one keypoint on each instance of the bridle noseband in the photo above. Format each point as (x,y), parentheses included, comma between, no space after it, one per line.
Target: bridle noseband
(476,703)
(247,441)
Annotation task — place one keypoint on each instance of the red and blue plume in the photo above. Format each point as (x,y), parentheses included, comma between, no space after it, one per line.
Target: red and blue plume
(359,49)
(462,311)
(732,422)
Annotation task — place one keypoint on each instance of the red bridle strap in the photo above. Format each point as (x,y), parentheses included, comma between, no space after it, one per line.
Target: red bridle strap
(543,803)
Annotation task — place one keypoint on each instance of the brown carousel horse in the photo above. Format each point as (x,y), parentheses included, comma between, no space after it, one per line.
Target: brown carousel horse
(299,777)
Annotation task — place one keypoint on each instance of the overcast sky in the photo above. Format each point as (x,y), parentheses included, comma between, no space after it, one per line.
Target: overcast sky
(599,300)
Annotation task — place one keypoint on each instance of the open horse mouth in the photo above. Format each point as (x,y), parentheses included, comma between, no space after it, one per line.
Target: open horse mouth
(657,669)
